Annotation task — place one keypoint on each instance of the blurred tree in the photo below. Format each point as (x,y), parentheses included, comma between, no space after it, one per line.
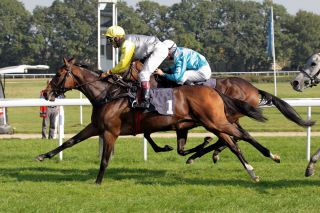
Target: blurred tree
(306,33)
(231,34)
(65,29)
(14,22)
(130,20)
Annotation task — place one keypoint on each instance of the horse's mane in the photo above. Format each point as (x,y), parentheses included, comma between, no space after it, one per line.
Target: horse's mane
(86,67)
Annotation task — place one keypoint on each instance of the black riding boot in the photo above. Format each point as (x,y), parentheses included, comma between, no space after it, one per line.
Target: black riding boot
(187,82)
(145,100)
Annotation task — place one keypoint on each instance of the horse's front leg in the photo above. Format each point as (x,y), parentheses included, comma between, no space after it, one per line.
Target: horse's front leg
(312,162)
(154,146)
(87,132)
(108,144)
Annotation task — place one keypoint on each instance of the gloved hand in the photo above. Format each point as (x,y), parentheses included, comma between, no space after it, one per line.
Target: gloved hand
(105,74)
(159,72)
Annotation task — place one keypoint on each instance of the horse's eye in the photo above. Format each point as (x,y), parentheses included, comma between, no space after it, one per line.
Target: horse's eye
(313,64)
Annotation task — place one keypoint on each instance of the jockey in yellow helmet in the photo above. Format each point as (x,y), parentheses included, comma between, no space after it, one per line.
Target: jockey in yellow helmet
(137,47)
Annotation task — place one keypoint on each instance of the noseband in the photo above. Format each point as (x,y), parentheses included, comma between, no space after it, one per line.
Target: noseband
(60,88)
(314,80)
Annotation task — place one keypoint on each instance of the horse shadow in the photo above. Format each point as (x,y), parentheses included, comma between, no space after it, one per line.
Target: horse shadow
(145,177)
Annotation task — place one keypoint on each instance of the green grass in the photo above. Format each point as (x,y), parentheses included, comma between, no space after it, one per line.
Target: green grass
(164,183)
(27,120)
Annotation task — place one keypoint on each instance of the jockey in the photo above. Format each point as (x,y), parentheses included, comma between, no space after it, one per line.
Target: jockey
(137,47)
(189,65)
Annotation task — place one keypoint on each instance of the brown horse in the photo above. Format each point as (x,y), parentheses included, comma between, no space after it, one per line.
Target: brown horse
(234,87)
(307,78)
(113,117)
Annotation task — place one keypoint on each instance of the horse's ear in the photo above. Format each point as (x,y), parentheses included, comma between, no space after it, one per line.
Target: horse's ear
(65,61)
(72,61)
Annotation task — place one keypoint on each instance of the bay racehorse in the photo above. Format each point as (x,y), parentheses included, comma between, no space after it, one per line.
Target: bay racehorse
(307,78)
(112,115)
(234,87)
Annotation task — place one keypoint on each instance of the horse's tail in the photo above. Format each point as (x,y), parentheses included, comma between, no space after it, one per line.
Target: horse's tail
(285,108)
(238,106)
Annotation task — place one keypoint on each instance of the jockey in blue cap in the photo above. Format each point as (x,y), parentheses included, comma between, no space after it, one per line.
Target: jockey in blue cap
(189,65)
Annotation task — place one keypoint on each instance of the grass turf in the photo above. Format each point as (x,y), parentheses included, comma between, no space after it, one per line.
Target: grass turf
(164,183)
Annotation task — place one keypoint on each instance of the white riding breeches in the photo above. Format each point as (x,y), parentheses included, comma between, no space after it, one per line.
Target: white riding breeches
(202,74)
(158,55)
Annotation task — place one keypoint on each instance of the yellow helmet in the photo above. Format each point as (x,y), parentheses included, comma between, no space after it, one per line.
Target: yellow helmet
(115,31)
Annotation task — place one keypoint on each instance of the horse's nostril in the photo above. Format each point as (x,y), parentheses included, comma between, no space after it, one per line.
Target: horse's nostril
(295,83)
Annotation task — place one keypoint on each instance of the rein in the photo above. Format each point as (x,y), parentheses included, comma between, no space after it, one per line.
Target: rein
(111,79)
(129,75)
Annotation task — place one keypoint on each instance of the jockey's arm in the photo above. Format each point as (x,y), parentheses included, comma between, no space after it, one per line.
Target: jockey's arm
(178,71)
(127,52)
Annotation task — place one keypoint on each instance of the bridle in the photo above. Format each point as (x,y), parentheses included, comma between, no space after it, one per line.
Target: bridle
(314,80)
(61,89)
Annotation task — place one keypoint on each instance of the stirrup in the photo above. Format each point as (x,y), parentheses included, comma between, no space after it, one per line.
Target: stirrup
(142,105)
(134,104)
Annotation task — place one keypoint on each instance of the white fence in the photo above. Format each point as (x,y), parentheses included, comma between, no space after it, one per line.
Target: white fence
(303,102)
(256,73)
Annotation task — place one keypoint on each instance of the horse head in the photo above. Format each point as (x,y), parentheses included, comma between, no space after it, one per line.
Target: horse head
(308,76)
(64,80)
(132,74)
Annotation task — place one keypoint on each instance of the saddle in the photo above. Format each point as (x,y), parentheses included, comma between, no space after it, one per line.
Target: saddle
(161,99)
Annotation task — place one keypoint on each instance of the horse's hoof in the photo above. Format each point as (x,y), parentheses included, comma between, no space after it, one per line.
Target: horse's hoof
(40,158)
(208,139)
(168,148)
(276,158)
(256,179)
(190,161)
(309,171)
(215,158)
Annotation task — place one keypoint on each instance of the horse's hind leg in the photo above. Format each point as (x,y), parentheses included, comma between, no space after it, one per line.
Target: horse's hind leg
(235,149)
(87,132)
(224,130)
(204,151)
(154,146)
(263,150)
(182,140)
(312,162)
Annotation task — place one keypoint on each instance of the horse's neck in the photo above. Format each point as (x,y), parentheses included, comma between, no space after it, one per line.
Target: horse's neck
(90,85)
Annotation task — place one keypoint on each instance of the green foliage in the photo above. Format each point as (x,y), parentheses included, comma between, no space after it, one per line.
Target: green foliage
(230,33)
(66,29)
(14,22)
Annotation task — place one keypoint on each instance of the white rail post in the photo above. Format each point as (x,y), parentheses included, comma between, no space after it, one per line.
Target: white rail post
(145,150)
(4,116)
(61,130)
(81,111)
(309,135)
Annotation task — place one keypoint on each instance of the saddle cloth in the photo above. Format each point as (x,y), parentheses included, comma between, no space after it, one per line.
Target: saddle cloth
(210,83)
(162,100)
